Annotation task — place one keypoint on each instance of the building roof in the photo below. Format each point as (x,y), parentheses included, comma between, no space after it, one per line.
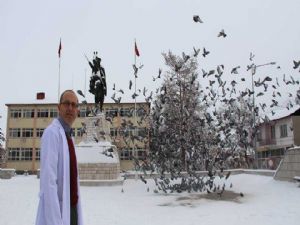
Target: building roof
(283,113)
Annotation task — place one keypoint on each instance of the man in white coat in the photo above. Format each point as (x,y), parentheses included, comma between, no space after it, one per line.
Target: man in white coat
(59,187)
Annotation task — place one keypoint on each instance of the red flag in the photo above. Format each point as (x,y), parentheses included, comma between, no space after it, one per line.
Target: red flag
(136,50)
(59,48)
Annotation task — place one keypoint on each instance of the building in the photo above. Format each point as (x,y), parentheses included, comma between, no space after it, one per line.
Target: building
(276,136)
(26,123)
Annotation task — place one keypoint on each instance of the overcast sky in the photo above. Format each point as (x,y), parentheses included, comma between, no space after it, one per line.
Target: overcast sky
(31,30)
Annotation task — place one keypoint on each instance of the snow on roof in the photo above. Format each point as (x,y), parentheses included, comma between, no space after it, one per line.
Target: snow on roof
(35,102)
(282,113)
(55,102)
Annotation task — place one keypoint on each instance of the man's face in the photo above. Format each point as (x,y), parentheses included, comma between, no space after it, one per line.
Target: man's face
(68,107)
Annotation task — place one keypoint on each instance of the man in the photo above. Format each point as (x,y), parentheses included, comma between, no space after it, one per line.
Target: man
(59,190)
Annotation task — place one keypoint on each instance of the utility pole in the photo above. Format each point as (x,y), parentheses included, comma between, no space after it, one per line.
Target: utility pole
(253,72)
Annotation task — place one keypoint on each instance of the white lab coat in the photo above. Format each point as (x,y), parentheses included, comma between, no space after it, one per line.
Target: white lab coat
(54,204)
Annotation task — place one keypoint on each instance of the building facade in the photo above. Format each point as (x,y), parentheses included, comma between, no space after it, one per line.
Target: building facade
(26,123)
(275,137)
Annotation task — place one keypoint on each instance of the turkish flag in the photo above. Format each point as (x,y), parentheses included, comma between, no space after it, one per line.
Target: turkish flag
(59,48)
(136,49)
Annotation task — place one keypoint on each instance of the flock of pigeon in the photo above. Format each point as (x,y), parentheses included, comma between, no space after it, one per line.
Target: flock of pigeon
(220,92)
(231,123)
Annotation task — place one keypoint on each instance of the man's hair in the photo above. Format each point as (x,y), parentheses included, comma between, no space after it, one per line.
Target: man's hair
(62,94)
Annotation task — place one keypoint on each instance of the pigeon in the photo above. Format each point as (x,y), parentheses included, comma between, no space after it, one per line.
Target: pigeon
(227,175)
(159,73)
(196,19)
(251,56)
(222,33)
(80,93)
(205,53)
(185,57)
(234,70)
(144,91)
(134,95)
(296,64)
(118,100)
(96,123)
(135,69)
(196,51)
(143,179)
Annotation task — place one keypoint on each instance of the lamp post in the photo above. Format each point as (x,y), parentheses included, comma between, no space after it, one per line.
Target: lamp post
(253,71)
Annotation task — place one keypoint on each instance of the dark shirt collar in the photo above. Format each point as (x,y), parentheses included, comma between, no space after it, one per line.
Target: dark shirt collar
(67,128)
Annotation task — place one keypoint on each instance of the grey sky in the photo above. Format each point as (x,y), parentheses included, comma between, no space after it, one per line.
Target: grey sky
(30,33)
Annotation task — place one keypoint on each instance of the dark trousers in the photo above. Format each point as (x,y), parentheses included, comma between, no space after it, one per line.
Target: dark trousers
(74,216)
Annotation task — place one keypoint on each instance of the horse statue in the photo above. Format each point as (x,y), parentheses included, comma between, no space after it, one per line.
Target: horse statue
(98,82)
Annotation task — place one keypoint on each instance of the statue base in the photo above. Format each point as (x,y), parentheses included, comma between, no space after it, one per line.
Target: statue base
(98,160)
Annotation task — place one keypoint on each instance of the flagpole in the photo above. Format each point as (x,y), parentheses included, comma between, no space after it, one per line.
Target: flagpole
(58,80)
(59,51)
(85,82)
(135,75)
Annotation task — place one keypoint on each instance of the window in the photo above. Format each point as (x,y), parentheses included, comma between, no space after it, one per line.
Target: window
(53,113)
(37,154)
(259,136)
(73,132)
(126,112)
(126,132)
(113,132)
(15,113)
(142,132)
(283,130)
(141,112)
(79,132)
(82,113)
(27,132)
(273,134)
(141,153)
(42,113)
(14,132)
(111,113)
(126,154)
(39,132)
(28,113)
(26,154)
(13,154)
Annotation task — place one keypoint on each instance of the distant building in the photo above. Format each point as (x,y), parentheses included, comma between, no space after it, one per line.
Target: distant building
(26,123)
(277,135)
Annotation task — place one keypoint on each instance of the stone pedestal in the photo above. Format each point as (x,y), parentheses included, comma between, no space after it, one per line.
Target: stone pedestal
(98,160)
(97,128)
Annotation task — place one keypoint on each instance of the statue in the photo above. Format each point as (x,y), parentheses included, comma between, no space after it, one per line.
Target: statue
(98,82)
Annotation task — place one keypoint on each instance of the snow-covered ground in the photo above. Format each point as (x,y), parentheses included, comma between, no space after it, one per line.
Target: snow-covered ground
(265,201)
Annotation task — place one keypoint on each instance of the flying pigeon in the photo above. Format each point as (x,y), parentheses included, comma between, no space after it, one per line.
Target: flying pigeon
(196,19)
(222,33)
(80,93)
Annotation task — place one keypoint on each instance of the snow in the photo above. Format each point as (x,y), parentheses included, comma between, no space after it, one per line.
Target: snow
(265,201)
(282,113)
(95,153)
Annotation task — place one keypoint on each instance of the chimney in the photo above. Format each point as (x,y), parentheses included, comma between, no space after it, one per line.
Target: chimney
(40,95)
